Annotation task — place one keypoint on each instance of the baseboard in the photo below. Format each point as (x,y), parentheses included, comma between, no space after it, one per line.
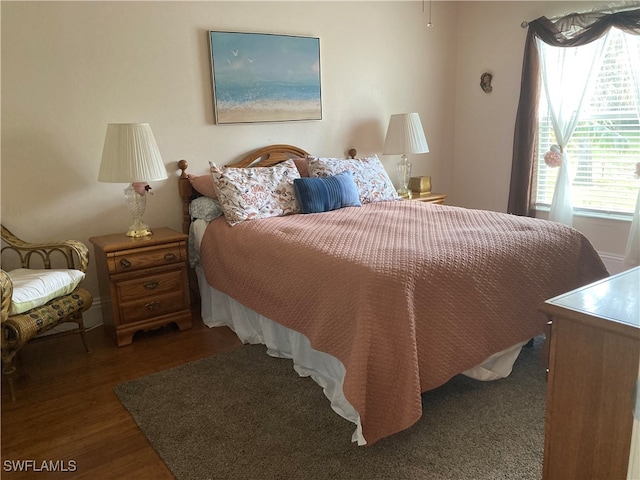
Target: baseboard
(93,316)
(614,263)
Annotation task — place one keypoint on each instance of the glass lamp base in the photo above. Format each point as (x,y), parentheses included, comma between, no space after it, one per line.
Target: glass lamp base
(139,229)
(404,174)
(404,192)
(136,204)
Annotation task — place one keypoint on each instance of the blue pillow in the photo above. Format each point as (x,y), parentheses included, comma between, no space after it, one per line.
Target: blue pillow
(322,194)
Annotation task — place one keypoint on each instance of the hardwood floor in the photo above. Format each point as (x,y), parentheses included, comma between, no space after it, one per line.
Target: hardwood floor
(66,411)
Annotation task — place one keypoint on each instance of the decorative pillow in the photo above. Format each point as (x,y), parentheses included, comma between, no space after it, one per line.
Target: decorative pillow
(322,194)
(258,192)
(302,164)
(34,288)
(205,208)
(374,185)
(203,184)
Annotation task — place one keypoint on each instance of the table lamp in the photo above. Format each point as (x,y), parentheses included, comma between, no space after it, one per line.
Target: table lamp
(131,155)
(405,135)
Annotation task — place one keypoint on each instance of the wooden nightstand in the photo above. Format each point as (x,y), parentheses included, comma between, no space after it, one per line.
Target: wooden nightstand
(429,197)
(143,282)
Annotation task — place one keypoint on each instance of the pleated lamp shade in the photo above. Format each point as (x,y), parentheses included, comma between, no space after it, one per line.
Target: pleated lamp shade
(405,135)
(130,154)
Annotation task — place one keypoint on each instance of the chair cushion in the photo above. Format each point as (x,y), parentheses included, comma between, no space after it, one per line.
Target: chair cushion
(34,288)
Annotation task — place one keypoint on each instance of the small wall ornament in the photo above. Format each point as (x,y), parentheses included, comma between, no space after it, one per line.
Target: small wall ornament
(485,82)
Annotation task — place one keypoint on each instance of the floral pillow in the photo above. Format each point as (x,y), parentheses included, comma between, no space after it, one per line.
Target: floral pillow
(374,185)
(258,192)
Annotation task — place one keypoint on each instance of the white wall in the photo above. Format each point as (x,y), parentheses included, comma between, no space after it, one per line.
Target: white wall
(491,39)
(69,68)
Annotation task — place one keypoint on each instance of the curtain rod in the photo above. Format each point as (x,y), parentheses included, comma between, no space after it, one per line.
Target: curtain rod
(611,8)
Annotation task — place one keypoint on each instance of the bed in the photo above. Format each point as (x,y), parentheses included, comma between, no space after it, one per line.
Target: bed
(379,300)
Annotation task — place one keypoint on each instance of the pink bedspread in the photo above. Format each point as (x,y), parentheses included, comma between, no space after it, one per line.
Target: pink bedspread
(405,294)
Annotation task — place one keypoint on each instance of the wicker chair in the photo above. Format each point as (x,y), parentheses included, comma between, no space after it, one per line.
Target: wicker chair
(18,329)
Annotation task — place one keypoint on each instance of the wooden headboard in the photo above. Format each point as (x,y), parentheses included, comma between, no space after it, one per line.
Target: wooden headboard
(270,155)
(262,157)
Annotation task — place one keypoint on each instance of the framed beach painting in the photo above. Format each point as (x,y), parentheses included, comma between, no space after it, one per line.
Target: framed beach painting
(260,77)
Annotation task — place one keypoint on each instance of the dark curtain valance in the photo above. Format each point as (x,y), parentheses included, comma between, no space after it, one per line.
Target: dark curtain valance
(570,31)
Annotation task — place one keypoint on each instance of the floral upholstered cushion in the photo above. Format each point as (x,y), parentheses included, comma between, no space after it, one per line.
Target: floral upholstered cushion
(43,319)
(258,192)
(374,185)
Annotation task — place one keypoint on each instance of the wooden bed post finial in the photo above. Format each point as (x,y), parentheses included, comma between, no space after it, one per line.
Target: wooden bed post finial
(352,153)
(183,165)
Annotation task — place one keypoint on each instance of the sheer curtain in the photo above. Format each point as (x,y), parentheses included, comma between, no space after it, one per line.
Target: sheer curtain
(570,31)
(567,75)
(632,252)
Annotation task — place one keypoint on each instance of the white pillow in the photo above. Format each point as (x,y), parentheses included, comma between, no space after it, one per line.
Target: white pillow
(369,175)
(34,288)
(258,192)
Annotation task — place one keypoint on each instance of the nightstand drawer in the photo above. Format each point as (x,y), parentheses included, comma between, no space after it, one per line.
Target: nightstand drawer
(150,307)
(151,284)
(134,259)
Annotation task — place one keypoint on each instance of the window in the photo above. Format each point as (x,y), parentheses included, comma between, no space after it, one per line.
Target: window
(605,146)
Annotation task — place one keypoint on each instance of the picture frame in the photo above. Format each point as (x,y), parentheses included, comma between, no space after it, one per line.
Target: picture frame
(264,77)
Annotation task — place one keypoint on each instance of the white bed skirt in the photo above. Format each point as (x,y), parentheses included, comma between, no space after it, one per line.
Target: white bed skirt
(327,371)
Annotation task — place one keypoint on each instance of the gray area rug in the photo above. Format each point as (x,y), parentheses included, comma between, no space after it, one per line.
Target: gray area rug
(245,415)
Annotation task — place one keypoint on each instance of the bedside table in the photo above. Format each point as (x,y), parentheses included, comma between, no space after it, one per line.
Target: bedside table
(429,198)
(143,282)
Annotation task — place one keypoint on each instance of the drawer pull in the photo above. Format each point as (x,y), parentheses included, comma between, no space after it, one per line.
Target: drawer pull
(124,263)
(170,257)
(152,285)
(151,306)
